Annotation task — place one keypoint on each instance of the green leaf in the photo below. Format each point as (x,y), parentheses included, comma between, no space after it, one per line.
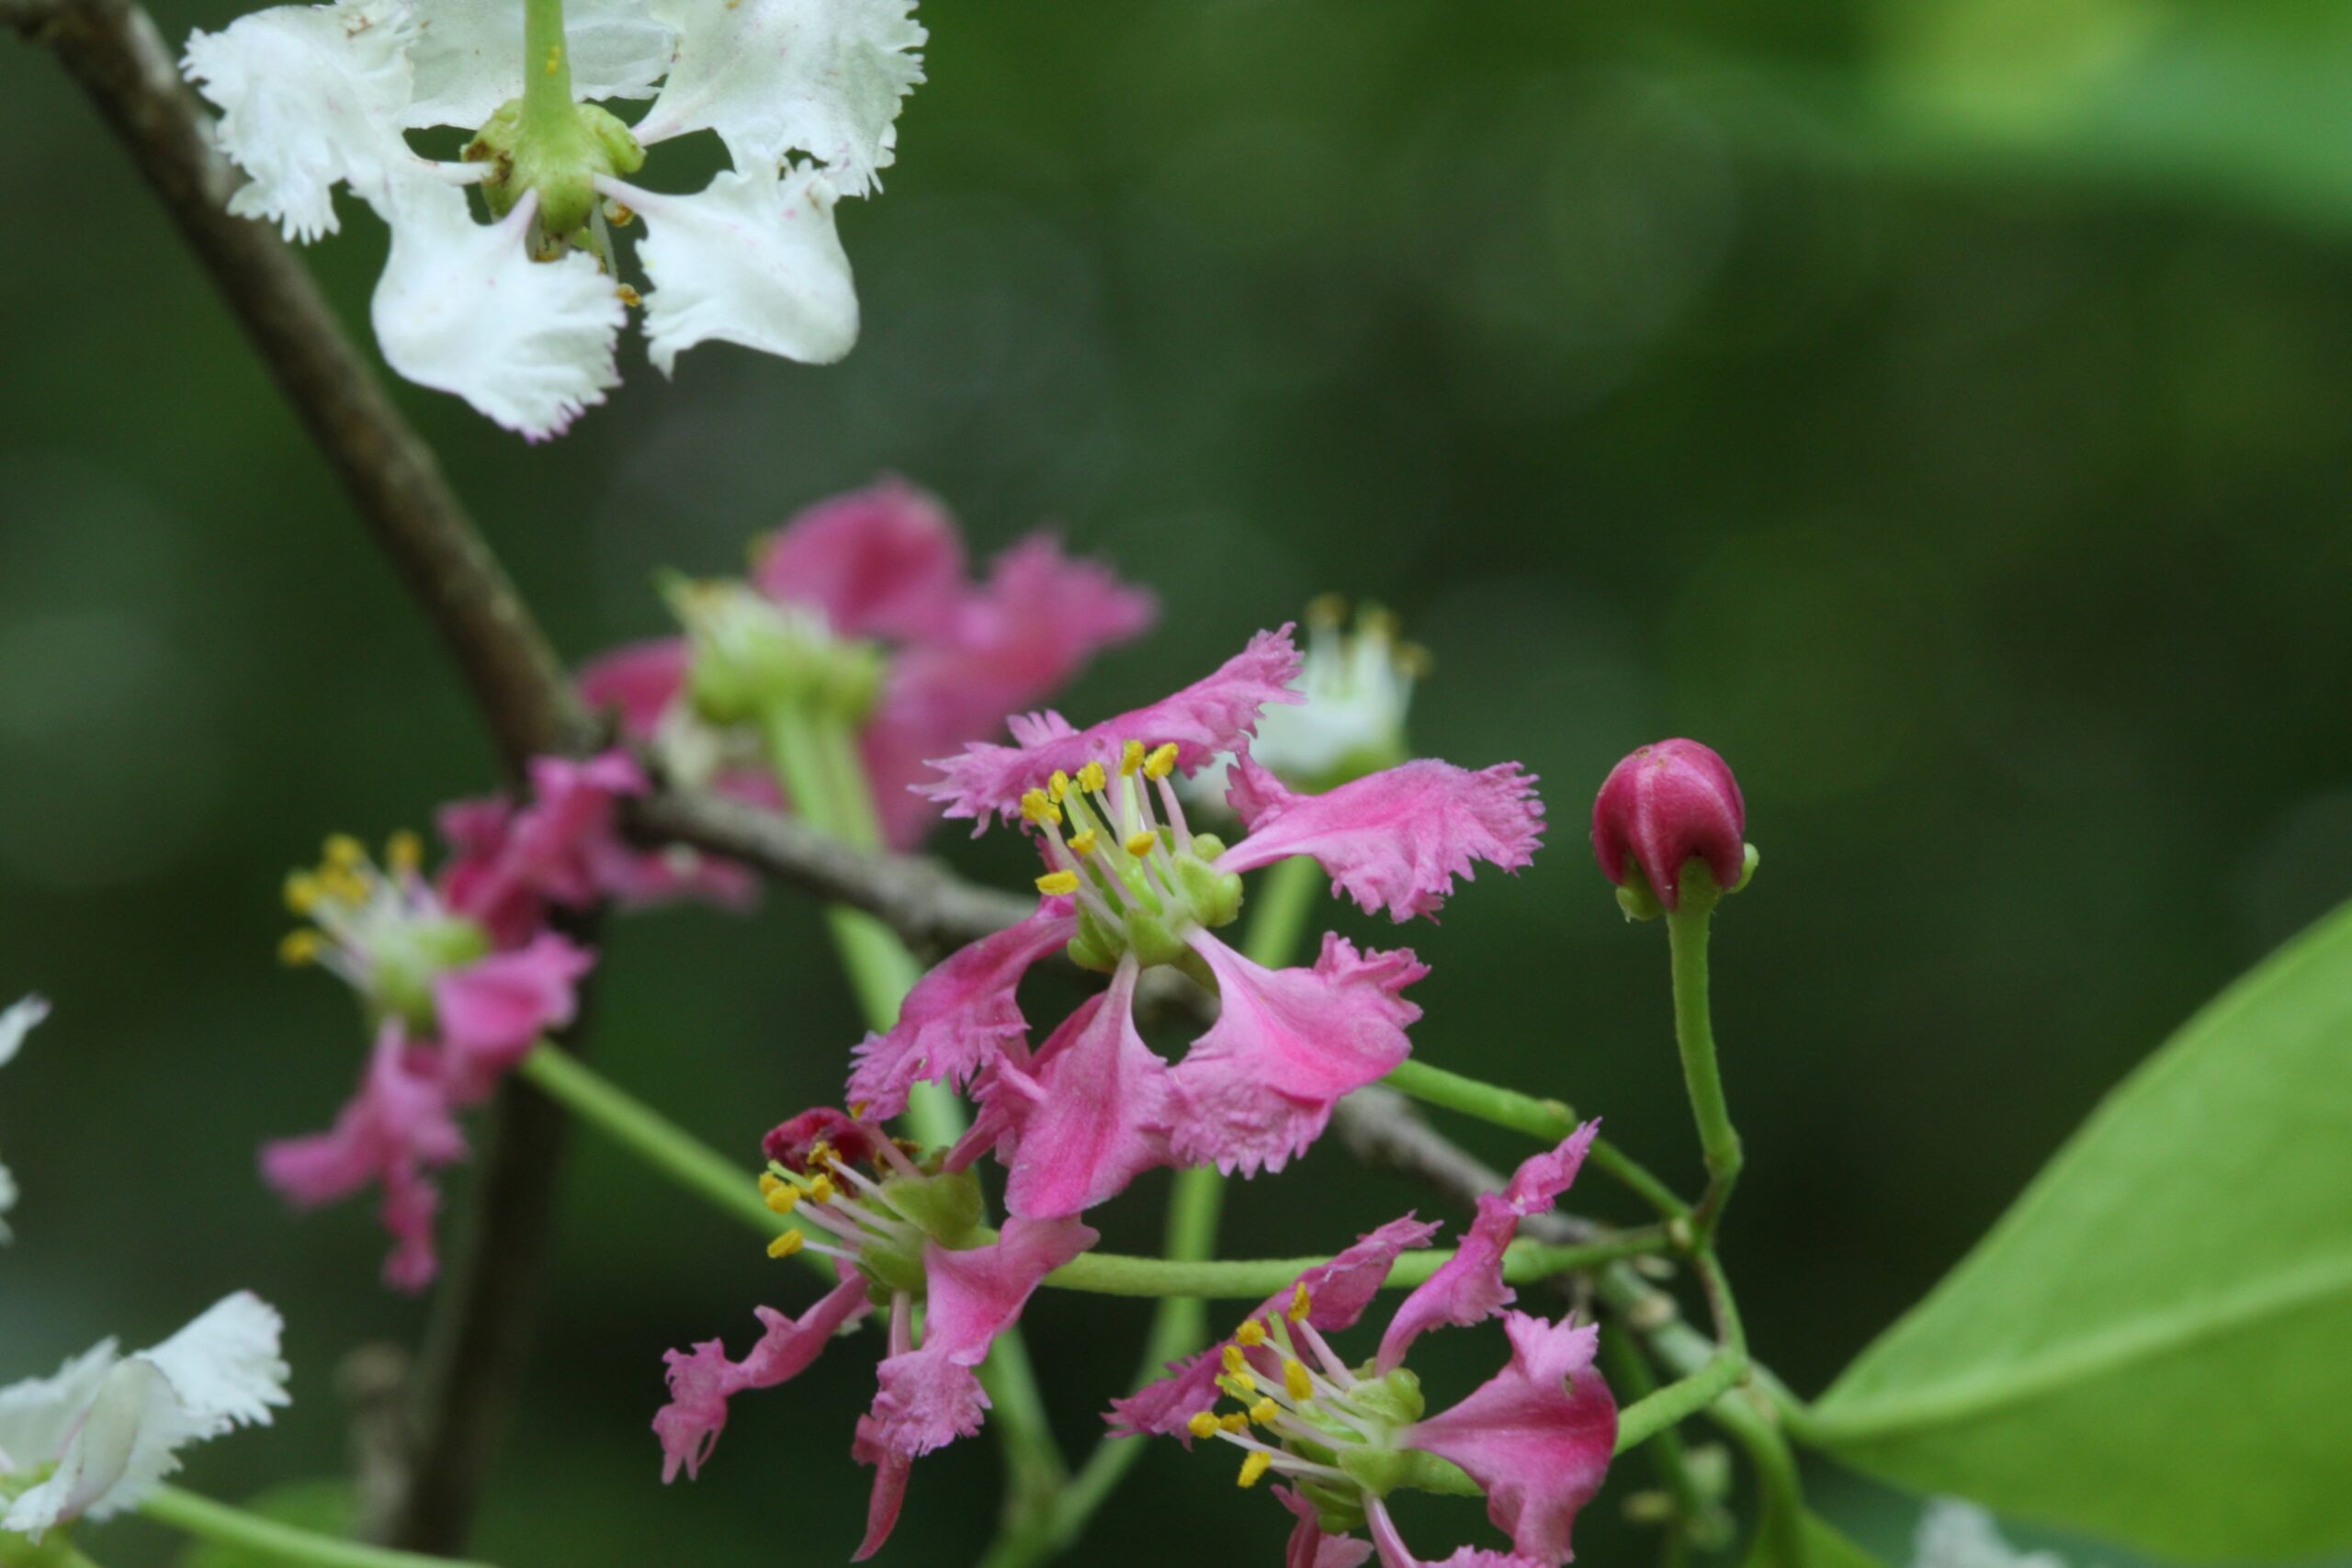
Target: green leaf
(2151,1345)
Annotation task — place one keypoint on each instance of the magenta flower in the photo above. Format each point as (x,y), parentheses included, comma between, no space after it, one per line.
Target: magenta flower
(459,981)
(563,849)
(1130,885)
(1534,1440)
(395,1130)
(886,564)
(905,1236)
(1664,806)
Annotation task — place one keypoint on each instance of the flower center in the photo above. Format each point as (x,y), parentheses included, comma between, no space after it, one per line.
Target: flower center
(752,654)
(880,1226)
(1141,883)
(382,931)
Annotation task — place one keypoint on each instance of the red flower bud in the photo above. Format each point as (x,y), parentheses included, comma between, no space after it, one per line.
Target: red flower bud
(789,1143)
(1666,806)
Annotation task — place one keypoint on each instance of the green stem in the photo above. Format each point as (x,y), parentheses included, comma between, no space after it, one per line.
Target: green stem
(1696,1519)
(218,1522)
(1695,1032)
(1644,1419)
(1781,1529)
(1255,1279)
(546,64)
(1548,1120)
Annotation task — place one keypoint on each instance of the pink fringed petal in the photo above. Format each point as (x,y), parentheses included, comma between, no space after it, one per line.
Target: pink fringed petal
(1212,715)
(1394,841)
(1259,1087)
(702,1380)
(884,561)
(492,1011)
(960,1015)
(1091,1116)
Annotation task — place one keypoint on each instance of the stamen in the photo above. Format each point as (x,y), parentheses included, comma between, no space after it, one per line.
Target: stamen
(344,853)
(1295,1381)
(1058,884)
(1235,1361)
(1131,756)
(1203,1424)
(404,853)
(1264,1411)
(1080,844)
(1301,1303)
(1161,762)
(301,947)
(1254,1467)
(1140,844)
(1252,1333)
(1038,808)
(1093,779)
(303,892)
(787,1243)
(783,1199)
(1058,785)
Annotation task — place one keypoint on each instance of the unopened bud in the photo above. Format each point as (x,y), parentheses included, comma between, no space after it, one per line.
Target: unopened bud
(1663,808)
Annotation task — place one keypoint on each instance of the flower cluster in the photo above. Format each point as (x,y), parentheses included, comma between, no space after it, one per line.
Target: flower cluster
(1129,884)
(457,975)
(519,315)
(880,572)
(1534,1439)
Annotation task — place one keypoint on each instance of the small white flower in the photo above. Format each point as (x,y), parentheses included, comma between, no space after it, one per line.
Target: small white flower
(503,314)
(1358,685)
(1953,1534)
(15,1023)
(111,1426)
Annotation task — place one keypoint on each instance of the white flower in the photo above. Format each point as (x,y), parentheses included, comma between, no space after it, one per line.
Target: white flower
(15,1023)
(1358,685)
(501,314)
(1953,1534)
(112,1425)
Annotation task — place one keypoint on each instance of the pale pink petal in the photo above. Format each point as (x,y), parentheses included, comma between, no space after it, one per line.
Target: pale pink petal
(1209,717)
(1338,1293)
(702,1380)
(1468,1288)
(1308,1546)
(959,1015)
(1093,1117)
(394,1130)
(1537,1437)
(637,680)
(884,561)
(1395,1553)
(889,1495)
(1396,839)
(492,1011)
(1259,1087)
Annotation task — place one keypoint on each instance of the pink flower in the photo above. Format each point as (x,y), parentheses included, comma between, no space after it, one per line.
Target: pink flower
(1308,1546)
(494,1010)
(1130,885)
(1536,1438)
(910,1235)
(396,1129)
(1664,806)
(886,564)
(563,850)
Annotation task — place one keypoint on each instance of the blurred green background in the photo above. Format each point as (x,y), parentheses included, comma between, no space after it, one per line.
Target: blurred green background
(1939,408)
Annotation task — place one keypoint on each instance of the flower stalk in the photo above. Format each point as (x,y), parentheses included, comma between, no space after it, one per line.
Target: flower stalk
(231,1527)
(1694,1033)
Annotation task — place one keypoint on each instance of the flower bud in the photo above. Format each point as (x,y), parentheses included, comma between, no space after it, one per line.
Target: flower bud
(1664,806)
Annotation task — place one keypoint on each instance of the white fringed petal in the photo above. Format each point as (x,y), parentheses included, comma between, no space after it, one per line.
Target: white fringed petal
(753,259)
(823,77)
(309,96)
(16,1022)
(462,308)
(469,56)
(114,1428)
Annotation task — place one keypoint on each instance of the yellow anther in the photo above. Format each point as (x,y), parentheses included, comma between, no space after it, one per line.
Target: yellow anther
(1140,843)
(1327,610)
(1251,1333)
(1301,1303)
(820,1153)
(857,1110)
(1204,1424)
(1240,1385)
(1058,785)
(1093,779)
(343,885)
(301,947)
(1296,1382)
(404,853)
(628,296)
(343,852)
(1131,758)
(1037,807)
(1254,1467)
(1161,762)
(770,1181)
(1059,883)
(786,1243)
(822,1189)
(302,892)
(1233,1421)
(1235,1361)
(620,215)
(783,1199)
(1264,1411)
(1082,843)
